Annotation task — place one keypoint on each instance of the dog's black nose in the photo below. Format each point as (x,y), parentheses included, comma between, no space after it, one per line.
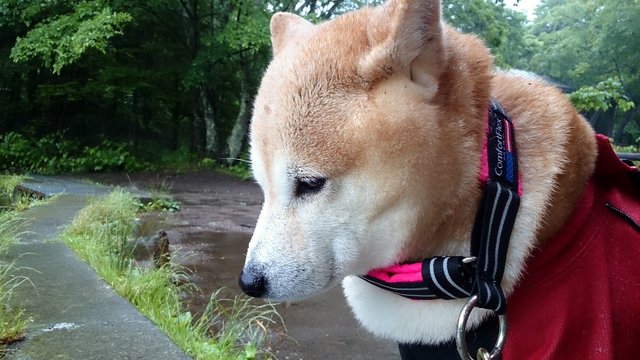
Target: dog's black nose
(253,283)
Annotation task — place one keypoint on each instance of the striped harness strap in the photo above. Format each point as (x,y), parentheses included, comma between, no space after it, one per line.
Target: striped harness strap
(454,277)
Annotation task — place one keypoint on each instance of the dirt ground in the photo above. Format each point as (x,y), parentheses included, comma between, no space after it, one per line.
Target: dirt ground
(213,227)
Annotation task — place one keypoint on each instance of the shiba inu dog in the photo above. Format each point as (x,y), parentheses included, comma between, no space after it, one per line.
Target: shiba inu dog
(366,139)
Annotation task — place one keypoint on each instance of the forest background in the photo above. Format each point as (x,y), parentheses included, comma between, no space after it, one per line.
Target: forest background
(130,85)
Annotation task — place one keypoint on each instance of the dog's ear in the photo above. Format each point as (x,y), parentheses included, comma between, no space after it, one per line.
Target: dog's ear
(287,28)
(404,35)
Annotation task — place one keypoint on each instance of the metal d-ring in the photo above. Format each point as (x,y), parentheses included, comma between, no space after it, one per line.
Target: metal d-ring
(461,334)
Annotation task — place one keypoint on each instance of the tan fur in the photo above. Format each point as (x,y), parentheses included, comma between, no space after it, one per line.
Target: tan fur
(389,105)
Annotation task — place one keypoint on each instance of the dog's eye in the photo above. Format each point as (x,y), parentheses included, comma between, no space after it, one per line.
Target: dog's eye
(308,185)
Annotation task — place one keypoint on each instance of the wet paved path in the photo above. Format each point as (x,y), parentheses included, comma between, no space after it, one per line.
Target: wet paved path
(76,315)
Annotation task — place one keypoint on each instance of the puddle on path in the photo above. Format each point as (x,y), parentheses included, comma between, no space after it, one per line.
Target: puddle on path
(323,326)
(215,260)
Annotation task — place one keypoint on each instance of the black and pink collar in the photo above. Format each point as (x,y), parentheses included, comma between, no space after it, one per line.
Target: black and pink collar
(480,273)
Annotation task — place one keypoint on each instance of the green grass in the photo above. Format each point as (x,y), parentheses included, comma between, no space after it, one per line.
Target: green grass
(9,182)
(101,234)
(240,168)
(241,171)
(13,321)
(18,202)
(627,149)
(161,204)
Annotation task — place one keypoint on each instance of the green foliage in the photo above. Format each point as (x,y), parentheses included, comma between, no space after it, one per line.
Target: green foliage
(238,318)
(179,159)
(207,162)
(11,226)
(588,41)
(8,183)
(157,72)
(13,150)
(169,77)
(107,156)
(62,39)
(13,320)
(10,200)
(587,44)
(248,33)
(602,97)
(626,149)
(240,169)
(633,131)
(13,323)
(54,153)
(161,204)
(502,28)
(98,235)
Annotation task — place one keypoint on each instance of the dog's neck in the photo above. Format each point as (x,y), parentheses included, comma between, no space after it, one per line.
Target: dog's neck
(568,191)
(571,139)
(557,157)
(567,184)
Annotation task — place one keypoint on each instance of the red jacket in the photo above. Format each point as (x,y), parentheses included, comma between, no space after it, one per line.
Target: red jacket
(580,295)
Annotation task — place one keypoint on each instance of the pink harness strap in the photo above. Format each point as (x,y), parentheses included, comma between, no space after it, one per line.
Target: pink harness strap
(399,273)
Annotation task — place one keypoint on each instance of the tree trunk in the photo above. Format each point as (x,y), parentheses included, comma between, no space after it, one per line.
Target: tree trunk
(197,129)
(176,125)
(235,141)
(208,117)
(135,119)
(610,119)
(602,122)
(618,136)
(593,118)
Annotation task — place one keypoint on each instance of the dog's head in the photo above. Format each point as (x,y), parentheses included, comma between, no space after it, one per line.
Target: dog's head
(351,144)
